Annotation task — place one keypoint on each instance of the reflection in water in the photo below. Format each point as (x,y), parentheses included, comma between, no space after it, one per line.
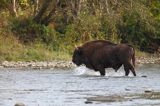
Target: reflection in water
(79,86)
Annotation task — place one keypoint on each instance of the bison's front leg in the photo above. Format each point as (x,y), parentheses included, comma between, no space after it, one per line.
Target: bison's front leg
(101,70)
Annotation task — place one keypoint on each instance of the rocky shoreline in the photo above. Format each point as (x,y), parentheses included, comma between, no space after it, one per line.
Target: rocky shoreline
(148,60)
(63,64)
(37,64)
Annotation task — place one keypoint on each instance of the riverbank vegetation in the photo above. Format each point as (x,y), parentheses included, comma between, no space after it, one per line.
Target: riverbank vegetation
(49,29)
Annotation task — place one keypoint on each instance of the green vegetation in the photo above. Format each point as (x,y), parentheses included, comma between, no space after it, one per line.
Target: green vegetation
(49,29)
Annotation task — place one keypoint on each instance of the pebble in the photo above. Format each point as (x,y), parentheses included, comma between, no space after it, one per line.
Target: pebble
(144,76)
(62,64)
(37,65)
(19,104)
(127,89)
(88,102)
(148,91)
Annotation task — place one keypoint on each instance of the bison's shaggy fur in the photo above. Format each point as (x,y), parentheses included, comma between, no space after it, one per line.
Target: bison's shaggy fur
(101,54)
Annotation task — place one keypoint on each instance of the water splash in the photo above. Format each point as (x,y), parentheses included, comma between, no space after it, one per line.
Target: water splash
(111,72)
(82,70)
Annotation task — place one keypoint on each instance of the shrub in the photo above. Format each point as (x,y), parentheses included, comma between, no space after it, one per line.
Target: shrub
(136,30)
(27,31)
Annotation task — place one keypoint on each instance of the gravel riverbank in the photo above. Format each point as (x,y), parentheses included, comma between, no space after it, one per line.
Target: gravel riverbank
(37,64)
(63,64)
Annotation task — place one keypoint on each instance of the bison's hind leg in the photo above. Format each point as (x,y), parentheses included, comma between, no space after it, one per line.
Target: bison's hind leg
(128,67)
(132,69)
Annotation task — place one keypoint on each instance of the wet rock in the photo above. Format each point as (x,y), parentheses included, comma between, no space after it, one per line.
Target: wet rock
(148,91)
(151,95)
(127,89)
(144,76)
(114,98)
(19,104)
(88,102)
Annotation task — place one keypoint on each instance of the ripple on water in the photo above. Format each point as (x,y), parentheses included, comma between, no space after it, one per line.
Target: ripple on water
(78,87)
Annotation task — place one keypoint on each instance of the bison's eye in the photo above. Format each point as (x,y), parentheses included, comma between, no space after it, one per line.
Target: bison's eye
(79,51)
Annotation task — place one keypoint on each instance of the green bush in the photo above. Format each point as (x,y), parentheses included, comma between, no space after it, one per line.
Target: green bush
(27,31)
(134,29)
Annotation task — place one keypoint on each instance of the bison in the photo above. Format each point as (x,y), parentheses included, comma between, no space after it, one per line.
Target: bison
(101,54)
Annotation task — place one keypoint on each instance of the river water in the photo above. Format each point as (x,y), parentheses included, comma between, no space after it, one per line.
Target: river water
(80,86)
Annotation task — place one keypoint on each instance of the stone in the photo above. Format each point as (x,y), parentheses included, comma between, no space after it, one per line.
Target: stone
(144,76)
(148,91)
(88,102)
(19,104)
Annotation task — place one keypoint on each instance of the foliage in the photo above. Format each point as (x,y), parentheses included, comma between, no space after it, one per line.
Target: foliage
(28,31)
(58,25)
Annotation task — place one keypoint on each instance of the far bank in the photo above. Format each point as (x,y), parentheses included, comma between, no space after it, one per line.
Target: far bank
(64,63)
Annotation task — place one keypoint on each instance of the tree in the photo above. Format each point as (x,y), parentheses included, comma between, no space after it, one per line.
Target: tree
(45,14)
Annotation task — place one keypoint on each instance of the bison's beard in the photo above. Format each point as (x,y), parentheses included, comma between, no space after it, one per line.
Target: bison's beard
(78,64)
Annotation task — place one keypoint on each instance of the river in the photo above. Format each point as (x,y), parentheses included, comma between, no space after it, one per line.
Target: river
(80,86)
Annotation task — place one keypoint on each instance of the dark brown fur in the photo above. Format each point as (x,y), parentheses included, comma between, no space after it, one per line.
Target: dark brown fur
(101,54)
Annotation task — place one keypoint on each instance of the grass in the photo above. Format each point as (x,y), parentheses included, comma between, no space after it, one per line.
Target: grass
(13,50)
(141,54)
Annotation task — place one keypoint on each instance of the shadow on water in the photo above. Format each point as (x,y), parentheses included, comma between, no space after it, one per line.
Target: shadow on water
(80,86)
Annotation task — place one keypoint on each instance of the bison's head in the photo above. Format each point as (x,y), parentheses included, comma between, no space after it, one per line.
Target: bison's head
(77,56)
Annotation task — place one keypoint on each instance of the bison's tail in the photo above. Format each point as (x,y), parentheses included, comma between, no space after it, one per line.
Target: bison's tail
(133,56)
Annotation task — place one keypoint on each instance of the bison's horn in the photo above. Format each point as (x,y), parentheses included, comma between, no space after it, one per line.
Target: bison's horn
(76,47)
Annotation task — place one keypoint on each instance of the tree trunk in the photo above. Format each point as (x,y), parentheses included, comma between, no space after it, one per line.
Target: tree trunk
(36,6)
(75,6)
(38,17)
(48,18)
(12,8)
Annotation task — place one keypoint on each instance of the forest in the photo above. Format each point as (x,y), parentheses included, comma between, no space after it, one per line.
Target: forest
(50,29)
